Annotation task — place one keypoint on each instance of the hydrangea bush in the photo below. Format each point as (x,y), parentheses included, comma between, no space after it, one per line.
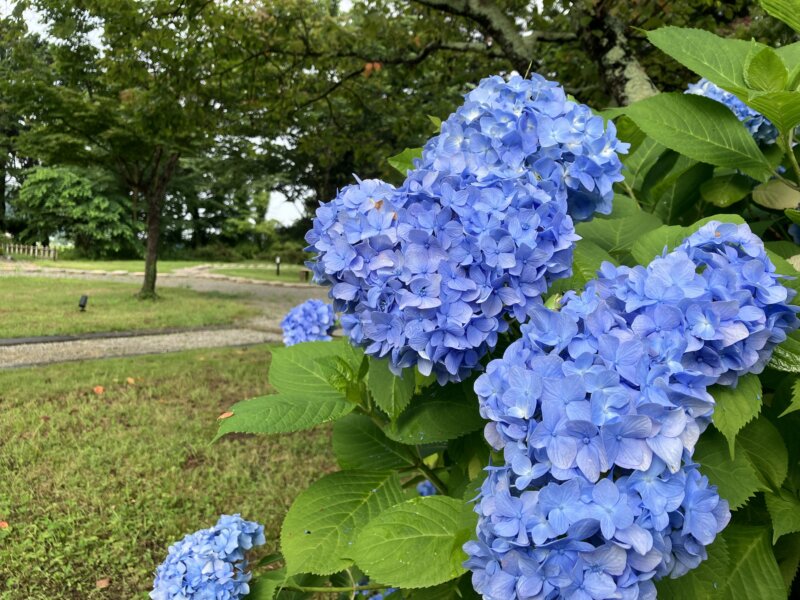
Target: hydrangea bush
(571,368)
(311,321)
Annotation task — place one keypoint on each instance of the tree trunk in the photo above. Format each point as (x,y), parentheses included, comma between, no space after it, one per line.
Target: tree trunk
(623,76)
(3,163)
(155,203)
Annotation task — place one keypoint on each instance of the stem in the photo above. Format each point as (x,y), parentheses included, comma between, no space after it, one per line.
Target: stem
(629,190)
(433,478)
(788,182)
(335,590)
(789,143)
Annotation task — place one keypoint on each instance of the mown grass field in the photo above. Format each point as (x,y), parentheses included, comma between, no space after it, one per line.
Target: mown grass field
(264,272)
(33,306)
(132,266)
(96,485)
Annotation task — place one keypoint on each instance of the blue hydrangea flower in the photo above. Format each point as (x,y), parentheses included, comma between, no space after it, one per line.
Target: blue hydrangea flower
(209,563)
(428,273)
(426,488)
(597,409)
(761,128)
(311,321)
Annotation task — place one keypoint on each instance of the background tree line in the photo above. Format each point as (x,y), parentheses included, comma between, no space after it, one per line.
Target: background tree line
(134,128)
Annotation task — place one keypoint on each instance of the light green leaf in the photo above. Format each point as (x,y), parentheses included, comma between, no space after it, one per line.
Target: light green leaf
(417,543)
(438,414)
(784,510)
(639,163)
(793,214)
(266,585)
(702,129)
(283,413)
(787,552)
(782,108)
(404,162)
(776,195)
(736,478)
(359,443)
(617,236)
(390,392)
(437,123)
(323,522)
(752,570)
(718,59)
(702,583)
(736,407)
(725,190)
(784,10)
(766,450)
(623,206)
(794,405)
(444,591)
(764,70)
(790,55)
(786,356)
(586,260)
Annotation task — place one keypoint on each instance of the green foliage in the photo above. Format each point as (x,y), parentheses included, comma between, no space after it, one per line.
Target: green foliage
(325,520)
(358,442)
(784,510)
(764,446)
(736,407)
(785,10)
(735,476)
(404,161)
(417,543)
(392,394)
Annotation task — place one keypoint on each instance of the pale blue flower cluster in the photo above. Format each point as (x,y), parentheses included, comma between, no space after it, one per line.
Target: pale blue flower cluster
(311,321)
(426,488)
(209,563)
(427,273)
(597,409)
(761,128)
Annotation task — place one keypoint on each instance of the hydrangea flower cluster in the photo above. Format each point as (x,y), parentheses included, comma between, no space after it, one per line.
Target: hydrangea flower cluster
(209,563)
(426,488)
(597,409)
(427,273)
(311,321)
(761,128)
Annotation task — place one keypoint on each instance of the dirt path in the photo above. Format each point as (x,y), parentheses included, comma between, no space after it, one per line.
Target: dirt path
(273,300)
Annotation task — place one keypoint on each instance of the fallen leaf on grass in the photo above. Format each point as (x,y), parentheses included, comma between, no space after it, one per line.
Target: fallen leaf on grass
(130,380)
(98,389)
(225,415)
(3,524)
(102,584)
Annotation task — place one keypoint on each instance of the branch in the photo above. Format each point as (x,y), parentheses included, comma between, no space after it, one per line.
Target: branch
(330,90)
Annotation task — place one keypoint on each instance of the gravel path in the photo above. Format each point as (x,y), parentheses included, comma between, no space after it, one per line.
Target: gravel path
(38,354)
(273,301)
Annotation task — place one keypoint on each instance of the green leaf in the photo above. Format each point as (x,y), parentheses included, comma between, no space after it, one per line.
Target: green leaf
(678,191)
(652,243)
(766,450)
(752,571)
(319,530)
(784,510)
(283,413)
(623,206)
(786,356)
(702,583)
(782,108)
(266,585)
(776,195)
(718,59)
(617,236)
(784,10)
(312,380)
(639,163)
(437,123)
(359,443)
(702,129)
(404,162)
(787,552)
(793,214)
(725,190)
(736,478)
(438,414)
(736,407)
(794,405)
(764,70)
(417,543)
(390,392)
(444,591)
(586,260)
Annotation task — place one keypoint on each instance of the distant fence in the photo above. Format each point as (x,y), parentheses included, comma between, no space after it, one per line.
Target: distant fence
(31,251)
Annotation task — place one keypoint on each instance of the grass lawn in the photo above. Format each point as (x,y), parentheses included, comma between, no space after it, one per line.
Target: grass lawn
(97,486)
(264,272)
(132,266)
(31,306)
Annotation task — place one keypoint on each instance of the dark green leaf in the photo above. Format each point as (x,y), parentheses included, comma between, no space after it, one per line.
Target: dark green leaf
(736,478)
(766,450)
(784,510)
(266,585)
(702,583)
(752,571)
(786,356)
(359,443)
(784,10)
(764,70)
(725,190)
(586,260)
(323,522)
(617,236)
(787,552)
